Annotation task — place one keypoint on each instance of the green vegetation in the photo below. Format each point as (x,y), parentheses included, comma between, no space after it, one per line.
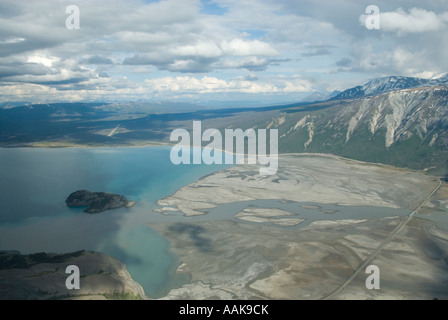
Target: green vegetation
(14,260)
(120,295)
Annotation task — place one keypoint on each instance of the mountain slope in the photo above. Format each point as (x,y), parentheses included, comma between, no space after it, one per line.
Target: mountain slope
(407,128)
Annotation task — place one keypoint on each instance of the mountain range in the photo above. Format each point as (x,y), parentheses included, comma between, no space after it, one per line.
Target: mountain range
(402,121)
(391,83)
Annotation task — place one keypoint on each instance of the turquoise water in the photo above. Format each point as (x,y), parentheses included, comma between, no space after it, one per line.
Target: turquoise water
(147,257)
(34,184)
(33,181)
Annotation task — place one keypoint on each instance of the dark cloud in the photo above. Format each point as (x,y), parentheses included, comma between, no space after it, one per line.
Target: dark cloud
(97,60)
(251,78)
(18,68)
(9,49)
(190,64)
(60,82)
(344,62)
(317,50)
(147,59)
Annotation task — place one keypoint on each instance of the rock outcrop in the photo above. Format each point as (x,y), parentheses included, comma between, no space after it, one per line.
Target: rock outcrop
(42,276)
(96,201)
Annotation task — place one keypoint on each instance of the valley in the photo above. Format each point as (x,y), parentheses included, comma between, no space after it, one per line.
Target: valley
(396,121)
(352,170)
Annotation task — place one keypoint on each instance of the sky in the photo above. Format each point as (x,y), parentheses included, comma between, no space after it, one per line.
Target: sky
(257,52)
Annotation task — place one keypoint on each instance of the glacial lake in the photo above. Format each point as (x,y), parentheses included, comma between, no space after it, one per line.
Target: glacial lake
(34,184)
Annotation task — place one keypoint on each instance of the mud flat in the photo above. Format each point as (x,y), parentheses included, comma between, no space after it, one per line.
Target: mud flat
(273,216)
(244,261)
(245,258)
(412,266)
(305,178)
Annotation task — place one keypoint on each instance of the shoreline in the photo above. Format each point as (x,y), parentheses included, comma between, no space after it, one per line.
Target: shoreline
(172,144)
(82,146)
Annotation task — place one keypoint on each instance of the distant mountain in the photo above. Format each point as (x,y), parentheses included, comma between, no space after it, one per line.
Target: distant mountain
(150,107)
(319,96)
(100,124)
(7,105)
(391,83)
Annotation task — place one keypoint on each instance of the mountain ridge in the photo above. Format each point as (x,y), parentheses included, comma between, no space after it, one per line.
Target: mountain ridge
(390,83)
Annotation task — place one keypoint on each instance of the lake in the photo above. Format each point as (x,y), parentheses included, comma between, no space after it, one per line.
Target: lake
(34,184)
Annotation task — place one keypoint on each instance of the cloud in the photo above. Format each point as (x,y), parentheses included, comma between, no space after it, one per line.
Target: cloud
(205,49)
(240,47)
(203,56)
(15,68)
(251,77)
(249,63)
(207,84)
(344,62)
(122,43)
(170,88)
(397,61)
(188,65)
(97,60)
(43,68)
(11,40)
(317,50)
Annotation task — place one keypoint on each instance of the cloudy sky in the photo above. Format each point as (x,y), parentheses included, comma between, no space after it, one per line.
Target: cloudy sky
(240,51)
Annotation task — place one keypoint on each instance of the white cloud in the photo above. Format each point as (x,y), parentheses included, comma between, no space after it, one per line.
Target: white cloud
(240,47)
(206,49)
(42,58)
(11,40)
(179,87)
(249,63)
(214,85)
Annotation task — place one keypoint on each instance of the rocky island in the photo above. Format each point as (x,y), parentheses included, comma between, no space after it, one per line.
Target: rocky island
(97,202)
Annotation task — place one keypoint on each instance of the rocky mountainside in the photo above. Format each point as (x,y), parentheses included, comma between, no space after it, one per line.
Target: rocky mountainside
(406,127)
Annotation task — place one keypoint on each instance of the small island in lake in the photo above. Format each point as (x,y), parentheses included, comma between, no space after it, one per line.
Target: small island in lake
(97,202)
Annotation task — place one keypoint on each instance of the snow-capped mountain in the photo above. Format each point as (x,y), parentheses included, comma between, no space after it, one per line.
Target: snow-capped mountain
(391,83)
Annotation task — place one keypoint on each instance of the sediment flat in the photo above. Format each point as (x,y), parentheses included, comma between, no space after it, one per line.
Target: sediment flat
(233,259)
(305,178)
